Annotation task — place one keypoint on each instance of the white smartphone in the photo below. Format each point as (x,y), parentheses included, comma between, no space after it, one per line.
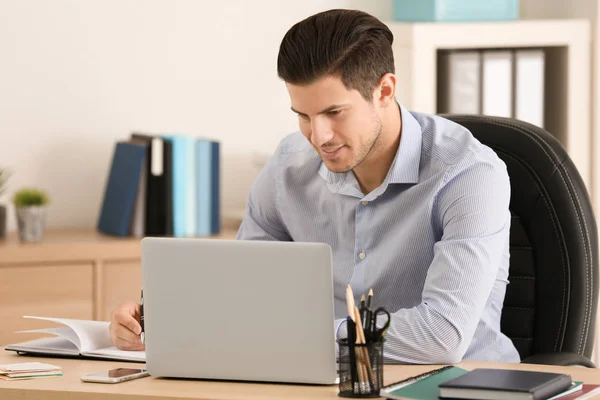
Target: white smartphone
(116,375)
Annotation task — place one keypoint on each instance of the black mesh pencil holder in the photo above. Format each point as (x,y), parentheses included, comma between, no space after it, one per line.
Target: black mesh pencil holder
(360,368)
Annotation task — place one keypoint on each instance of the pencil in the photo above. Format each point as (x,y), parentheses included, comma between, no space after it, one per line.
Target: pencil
(361,339)
(360,354)
(350,302)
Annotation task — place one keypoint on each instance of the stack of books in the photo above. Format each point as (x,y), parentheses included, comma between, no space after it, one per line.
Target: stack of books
(32,370)
(162,185)
(451,382)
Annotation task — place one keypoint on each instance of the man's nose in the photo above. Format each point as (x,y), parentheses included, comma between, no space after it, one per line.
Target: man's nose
(321,132)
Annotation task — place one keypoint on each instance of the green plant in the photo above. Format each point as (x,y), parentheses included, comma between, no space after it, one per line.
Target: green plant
(4,175)
(30,197)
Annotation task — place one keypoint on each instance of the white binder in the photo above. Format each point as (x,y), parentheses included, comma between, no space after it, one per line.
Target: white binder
(529,86)
(497,92)
(460,82)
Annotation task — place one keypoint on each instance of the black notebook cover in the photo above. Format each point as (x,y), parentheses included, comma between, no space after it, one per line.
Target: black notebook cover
(539,384)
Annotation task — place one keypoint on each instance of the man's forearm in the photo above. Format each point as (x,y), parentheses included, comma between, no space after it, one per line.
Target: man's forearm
(420,335)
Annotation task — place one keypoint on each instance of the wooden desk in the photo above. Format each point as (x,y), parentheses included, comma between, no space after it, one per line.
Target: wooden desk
(72,273)
(69,386)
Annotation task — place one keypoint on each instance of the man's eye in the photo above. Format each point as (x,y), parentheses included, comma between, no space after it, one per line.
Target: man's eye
(302,116)
(334,112)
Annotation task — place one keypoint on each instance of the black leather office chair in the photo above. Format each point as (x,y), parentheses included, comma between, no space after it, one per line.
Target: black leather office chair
(550,305)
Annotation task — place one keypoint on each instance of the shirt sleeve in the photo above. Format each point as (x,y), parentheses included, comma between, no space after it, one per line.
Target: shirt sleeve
(473,210)
(262,220)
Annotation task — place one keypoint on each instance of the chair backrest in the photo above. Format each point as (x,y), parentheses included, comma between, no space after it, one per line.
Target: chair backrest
(551,301)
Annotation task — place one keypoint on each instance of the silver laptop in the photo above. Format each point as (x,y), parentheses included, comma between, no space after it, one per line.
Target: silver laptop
(239,310)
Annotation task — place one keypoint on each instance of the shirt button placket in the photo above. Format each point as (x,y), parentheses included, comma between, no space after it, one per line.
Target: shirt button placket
(362,253)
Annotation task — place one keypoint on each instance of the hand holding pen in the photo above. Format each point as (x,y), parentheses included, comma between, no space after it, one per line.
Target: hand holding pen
(142,334)
(125,327)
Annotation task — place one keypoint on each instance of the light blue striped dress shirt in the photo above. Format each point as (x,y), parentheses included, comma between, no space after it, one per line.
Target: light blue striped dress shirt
(432,240)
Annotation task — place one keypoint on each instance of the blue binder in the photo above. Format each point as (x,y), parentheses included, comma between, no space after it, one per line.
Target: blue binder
(121,189)
(215,221)
(208,164)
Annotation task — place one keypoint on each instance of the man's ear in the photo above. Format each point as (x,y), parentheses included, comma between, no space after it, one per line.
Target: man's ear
(385,91)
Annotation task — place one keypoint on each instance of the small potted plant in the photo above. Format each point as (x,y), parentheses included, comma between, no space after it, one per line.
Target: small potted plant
(30,206)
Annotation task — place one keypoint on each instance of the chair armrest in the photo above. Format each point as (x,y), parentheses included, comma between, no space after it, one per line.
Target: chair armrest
(559,358)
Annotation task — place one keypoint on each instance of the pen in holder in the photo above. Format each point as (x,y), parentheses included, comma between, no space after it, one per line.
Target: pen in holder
(360,351)
(360,365)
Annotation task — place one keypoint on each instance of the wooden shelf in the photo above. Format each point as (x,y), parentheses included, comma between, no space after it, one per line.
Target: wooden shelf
(569,44)
(76,245)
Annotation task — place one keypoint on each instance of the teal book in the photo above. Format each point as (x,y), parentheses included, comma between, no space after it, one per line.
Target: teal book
(179,182)
(421,387)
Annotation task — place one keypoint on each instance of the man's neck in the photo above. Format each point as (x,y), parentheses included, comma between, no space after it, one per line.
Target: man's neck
(371,173)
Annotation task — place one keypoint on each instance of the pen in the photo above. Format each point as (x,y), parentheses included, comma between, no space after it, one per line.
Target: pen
(362,309)
(351,328)
(368,313)
(142,316)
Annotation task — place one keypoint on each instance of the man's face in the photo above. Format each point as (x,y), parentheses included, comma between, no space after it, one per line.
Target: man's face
(340,124)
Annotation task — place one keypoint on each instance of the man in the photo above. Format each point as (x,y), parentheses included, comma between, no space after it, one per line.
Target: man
(412,205)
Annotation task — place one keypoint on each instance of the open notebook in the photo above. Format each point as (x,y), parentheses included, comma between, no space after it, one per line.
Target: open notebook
(87,339)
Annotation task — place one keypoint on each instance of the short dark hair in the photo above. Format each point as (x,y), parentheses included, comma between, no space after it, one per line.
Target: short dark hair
(350,44)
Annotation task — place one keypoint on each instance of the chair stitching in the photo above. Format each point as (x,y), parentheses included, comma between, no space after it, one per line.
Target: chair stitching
(588,270)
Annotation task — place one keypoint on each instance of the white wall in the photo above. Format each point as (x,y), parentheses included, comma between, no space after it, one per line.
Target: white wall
(75,76)
(534,9)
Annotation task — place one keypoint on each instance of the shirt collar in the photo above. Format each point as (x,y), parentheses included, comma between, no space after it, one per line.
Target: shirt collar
(404,168)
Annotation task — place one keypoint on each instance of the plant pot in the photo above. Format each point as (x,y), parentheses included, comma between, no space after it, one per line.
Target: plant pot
(2,221)
(31,222)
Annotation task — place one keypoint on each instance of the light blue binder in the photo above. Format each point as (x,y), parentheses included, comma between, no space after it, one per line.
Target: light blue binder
(203,186)
(190,188)
(455,10)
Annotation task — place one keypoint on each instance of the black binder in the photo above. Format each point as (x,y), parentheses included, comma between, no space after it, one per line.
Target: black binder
(159,192)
